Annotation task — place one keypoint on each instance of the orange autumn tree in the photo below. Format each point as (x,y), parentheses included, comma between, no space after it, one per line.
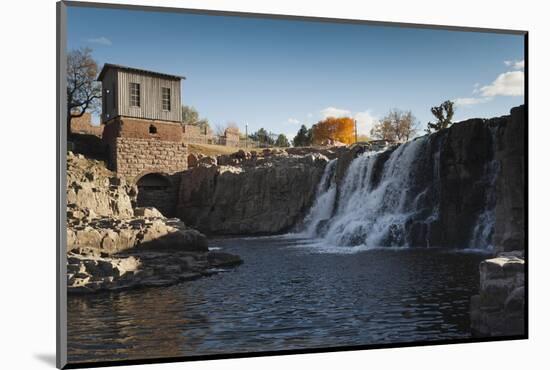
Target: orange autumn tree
(334,129)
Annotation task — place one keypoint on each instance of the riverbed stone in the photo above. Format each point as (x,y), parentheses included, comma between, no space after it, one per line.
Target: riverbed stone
(498,309)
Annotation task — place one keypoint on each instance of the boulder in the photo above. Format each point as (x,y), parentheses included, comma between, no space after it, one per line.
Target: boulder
(498,310)
(208,161)
(192,160)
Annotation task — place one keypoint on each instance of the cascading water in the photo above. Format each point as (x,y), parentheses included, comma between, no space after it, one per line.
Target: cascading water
(393,199)
(324,202)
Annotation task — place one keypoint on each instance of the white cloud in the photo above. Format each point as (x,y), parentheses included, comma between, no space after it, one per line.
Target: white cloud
(520,65)
(293,121)
(365,122)
(470,101)
(100,41)
(506,84)
(515,64)
(334,112)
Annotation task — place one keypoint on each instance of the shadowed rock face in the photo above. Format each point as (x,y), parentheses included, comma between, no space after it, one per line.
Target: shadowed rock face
(267,197)
(510,185)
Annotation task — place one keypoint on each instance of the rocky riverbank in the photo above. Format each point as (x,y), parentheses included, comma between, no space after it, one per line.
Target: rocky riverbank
(111,245)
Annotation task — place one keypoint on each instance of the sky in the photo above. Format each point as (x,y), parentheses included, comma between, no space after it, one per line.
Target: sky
(280,74)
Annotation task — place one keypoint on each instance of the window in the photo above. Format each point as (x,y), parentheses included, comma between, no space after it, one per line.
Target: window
(152,129)
(165,98)
(134,94)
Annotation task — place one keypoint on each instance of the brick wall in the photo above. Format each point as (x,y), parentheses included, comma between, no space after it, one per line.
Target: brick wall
(83,125)
(141,129)
(232,136)
(195,135)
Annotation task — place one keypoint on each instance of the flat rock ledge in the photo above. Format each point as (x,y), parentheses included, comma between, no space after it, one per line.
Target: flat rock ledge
(114,235)
(95,272)
(498,309)
(110,254)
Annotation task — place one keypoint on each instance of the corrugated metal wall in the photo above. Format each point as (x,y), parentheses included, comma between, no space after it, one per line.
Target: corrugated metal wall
(109,103)
(151,97)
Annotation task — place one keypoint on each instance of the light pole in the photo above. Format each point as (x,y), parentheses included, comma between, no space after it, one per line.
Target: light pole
(355,122)
(246,136)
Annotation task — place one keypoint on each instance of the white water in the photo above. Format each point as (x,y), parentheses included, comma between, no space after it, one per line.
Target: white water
(396,211)
(324,202)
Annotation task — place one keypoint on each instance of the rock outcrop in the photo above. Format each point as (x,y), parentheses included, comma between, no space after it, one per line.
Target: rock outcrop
(250,192)
(511,195)
(93,272)
(112,235)
(94,191)
(112,245)
(499,309)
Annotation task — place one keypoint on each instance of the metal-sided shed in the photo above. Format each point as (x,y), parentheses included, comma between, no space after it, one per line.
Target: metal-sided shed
(139,93)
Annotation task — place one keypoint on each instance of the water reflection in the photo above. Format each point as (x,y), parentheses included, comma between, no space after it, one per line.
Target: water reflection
(282,297)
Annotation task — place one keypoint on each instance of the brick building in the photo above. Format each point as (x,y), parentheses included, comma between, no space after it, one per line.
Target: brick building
(141,113)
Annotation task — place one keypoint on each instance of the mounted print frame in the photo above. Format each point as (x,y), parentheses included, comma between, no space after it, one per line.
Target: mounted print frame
(235,184)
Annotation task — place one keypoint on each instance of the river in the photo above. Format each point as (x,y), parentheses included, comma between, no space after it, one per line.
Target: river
(289,294)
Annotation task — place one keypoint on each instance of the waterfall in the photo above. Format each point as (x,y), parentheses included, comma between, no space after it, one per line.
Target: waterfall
(393,199)
(323,206)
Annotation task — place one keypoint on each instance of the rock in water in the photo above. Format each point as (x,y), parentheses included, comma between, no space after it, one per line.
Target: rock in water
(499,309)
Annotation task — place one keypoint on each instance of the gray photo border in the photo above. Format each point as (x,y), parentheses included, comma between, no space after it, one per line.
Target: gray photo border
(61,174)
(61,191)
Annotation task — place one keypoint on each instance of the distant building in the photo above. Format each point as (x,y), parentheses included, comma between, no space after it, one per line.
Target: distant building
(231,137)
(83,125)
(193,134)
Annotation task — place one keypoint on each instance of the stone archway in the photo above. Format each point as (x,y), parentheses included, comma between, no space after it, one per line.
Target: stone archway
(156,190)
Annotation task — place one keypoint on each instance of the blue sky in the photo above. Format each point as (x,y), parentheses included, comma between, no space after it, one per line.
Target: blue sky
(279,74)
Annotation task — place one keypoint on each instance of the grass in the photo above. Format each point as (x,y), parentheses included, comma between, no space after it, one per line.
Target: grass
(211,149)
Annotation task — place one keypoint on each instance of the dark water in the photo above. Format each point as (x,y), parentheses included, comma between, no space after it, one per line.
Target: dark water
(283,297)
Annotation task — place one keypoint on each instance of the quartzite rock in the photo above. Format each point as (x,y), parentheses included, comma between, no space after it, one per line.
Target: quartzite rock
(269,196)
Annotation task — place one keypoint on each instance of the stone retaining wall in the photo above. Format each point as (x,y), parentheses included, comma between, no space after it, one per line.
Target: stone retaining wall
(133,158)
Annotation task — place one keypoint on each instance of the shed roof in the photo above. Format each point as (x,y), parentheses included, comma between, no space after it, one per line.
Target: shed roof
(108,66)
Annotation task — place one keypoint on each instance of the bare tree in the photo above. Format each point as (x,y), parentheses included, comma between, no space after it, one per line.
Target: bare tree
(83,91)
(396,126)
